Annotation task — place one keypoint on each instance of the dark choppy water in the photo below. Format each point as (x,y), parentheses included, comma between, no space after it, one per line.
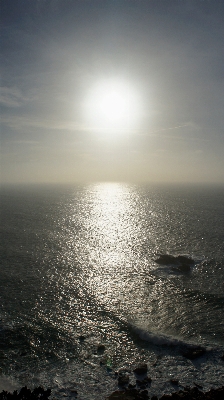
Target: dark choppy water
(81,261)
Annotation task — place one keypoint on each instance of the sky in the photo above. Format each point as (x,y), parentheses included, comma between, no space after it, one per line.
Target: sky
(112,91)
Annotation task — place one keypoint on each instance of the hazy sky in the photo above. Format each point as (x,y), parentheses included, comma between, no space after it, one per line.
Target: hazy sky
(168,54)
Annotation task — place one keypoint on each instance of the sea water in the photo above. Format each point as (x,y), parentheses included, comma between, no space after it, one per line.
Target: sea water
(81,293)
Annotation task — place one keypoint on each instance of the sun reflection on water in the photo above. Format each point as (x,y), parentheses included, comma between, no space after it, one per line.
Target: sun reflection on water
(110,228)
(111,219)
(100,268)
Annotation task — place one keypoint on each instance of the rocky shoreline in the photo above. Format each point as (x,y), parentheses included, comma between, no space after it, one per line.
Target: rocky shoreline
(187,394)
(139,391)
(129,393)
(129,389)
(133,383)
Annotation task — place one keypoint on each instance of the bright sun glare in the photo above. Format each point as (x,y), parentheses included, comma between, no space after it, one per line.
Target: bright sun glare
(112,105)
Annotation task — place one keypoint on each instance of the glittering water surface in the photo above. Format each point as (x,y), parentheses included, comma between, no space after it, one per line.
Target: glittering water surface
(80,261)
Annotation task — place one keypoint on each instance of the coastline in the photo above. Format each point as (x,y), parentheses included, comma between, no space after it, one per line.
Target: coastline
(129,393)
(131,382)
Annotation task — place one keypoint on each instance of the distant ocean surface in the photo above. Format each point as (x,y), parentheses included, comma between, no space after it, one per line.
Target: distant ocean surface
(81,294)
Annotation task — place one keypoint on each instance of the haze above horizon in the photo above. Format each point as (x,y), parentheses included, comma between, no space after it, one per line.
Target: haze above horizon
(125,91)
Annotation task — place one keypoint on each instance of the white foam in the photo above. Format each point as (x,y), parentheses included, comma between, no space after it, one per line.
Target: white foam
(157,339)
(8,384)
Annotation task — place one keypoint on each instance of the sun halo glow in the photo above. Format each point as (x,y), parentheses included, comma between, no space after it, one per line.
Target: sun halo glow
(112,106)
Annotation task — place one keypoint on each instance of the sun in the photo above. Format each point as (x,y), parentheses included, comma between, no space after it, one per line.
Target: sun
(112,105)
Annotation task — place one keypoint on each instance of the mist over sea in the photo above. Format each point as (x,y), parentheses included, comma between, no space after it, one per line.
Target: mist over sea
(81,293)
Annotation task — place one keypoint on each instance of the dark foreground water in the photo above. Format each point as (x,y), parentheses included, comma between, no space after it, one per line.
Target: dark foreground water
(80,261)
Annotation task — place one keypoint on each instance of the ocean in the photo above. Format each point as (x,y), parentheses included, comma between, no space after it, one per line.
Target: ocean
(82,294)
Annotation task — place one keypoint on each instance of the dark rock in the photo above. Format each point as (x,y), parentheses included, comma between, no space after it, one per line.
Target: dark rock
(141,384)
(183,268)
(123,380)
(174,381)
(100,349)
(128,394)
(179,396)
(74,393)
(24,353)
(195,392)
(117,395)
(130,386)
(144,382)
(193,352)
(81,338)
(199,386)
(141,369)
(185,260)
(182,263)
(144,394)
(166,259)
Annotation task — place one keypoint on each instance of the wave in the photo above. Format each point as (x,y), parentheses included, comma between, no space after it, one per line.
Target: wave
(156,338)
(187,349)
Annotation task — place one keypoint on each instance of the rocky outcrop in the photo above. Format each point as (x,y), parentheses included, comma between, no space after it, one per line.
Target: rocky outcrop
(193,352)
(141,369)
(128,393)
(185,394)
(180,263)
(183,268)
(100,348)
(123,380)
(167,259)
